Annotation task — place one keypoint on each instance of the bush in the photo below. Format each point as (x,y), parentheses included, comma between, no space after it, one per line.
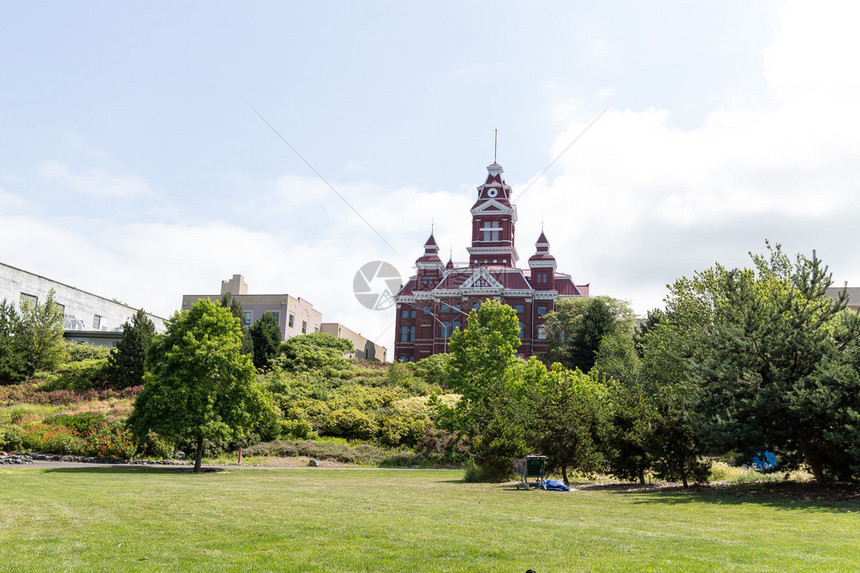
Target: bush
(11,438)
(439,446)
(364,454)
(350,423)
(155,446)
(84,422)
(474,473)
(111,440)
(52,440)
(78,351)
(297,429)
(79,376)
(400,428)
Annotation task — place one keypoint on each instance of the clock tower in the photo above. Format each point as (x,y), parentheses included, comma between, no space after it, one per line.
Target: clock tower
(493,220)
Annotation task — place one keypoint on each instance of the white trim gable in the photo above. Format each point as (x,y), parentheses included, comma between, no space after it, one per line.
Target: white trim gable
(481,279)
(494,207)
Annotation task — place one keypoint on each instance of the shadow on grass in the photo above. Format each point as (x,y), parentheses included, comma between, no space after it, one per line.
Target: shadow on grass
(841,498)
(132,470)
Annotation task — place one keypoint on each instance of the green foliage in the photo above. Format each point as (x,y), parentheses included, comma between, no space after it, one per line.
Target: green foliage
(433,369)
(775,360)
(11,438)
(363,454)
(266,337)
(154,446)
(49,439)
(577,326)
(481,368)
(200,385)
(79,376)
(30,340)
(111,440)
(127,361)
(570,418)
(78,351)
(12,356)
(314,351)
(626,445)
(232,304)
(41,335)
(83,423)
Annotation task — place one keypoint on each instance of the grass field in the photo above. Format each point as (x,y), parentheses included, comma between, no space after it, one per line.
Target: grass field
(138,519)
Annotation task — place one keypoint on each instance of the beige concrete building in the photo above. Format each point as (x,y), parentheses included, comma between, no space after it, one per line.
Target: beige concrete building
(853,295)
(294,315)
(364,349)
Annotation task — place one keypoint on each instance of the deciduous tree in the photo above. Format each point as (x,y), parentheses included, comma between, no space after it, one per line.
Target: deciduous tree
(577,326)
(481,368)
(200,385)
(41,335)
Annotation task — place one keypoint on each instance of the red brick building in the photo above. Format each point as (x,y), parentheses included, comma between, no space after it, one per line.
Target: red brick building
(439,298)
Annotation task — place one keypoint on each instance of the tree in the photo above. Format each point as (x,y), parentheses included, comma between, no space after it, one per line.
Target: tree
(775,360)
(12,357)
(481,368)
(577,326)
(41,335)
(266,337)
(200,385)
(570,419)
(674,440)
(231,303)
(314,351)
(626,446)
(126,362)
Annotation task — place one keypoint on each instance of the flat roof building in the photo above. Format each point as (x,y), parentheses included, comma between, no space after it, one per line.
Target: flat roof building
(87,317)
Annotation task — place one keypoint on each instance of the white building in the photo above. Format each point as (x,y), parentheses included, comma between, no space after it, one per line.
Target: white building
(87,317)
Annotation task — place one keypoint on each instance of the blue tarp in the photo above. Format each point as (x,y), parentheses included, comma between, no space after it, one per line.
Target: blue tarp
(764,461)
(555,485)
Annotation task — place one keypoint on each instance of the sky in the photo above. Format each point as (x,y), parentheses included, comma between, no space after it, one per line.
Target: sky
(150,150)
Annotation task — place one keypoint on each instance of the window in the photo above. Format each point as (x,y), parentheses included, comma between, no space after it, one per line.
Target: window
(277,315)
(541,333)
(304,327)
(492,232)
(97,322)
(541,310)
(291,319)
(28,299)
(404,334)
(404,314)
(522,327)
(412,314)
(316,329)
(246,319)
(62,309)
(425,310)
(411,334)
(521,309)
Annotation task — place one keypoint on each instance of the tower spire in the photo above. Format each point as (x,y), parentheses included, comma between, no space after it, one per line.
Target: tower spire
(495,145)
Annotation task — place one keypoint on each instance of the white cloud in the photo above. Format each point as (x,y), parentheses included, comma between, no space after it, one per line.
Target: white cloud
(637,203)
(95,182)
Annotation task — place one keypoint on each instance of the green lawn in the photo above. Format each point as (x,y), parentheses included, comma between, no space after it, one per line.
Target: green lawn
(123,519)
